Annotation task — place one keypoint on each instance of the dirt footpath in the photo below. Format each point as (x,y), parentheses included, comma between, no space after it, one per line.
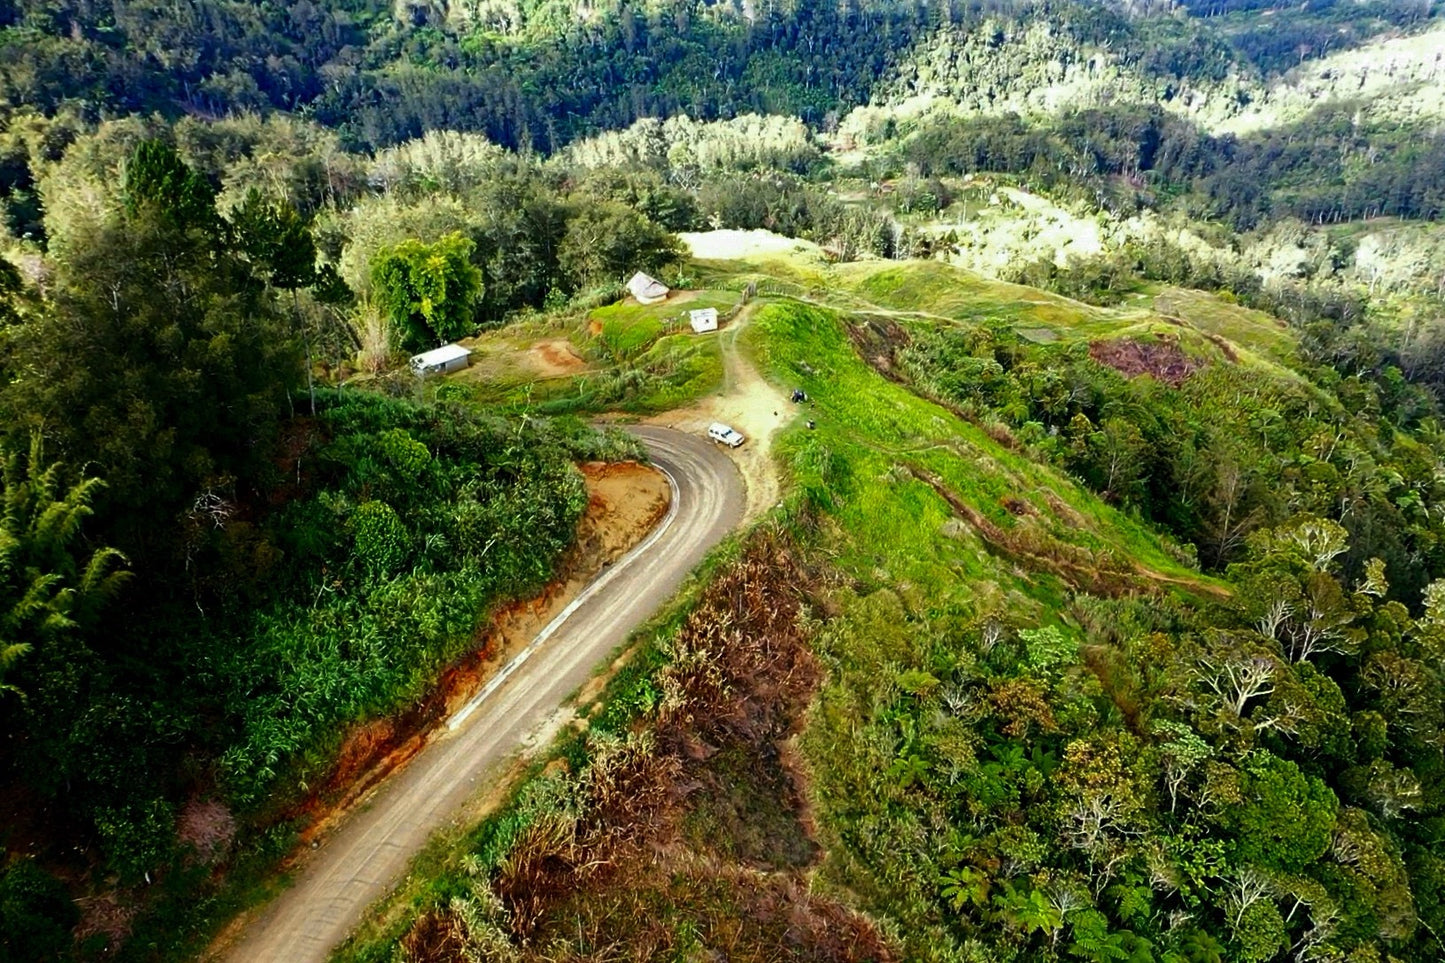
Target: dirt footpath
(749,403)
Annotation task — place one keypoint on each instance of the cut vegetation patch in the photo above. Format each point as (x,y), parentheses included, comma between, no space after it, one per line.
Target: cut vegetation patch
(555,359)
(634,852)
(1164,361)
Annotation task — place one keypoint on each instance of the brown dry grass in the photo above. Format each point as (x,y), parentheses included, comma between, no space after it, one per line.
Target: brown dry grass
(1163,360)
(639,870)
(208,827)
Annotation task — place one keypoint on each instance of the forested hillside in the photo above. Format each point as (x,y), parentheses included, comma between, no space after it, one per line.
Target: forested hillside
(542,73)
(1107,586)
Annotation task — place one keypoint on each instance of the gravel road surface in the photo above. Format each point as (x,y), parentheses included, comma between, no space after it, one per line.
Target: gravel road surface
(368,853)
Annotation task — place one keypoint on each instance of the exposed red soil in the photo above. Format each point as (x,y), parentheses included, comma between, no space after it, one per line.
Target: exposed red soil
(625,501)
(554,359)
(1162,360)
(878,341)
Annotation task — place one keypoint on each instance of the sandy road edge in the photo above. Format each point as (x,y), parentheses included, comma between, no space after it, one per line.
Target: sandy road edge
(373,848)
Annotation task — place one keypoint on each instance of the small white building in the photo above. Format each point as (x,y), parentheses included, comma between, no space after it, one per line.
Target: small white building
(647,290)
(443,360)
(703,320)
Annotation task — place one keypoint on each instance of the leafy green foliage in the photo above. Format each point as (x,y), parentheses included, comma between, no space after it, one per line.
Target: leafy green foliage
(475,513)
(429,290)
(382,541)
(159,357)
(50,583)
(36,915)
(1284,818)
(606,241)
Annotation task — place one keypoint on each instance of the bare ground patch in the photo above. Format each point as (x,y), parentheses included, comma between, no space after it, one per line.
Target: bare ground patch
(752,405)
(555,359)
(1163,360)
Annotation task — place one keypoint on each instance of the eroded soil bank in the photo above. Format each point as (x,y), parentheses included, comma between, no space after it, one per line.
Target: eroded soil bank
(625,501)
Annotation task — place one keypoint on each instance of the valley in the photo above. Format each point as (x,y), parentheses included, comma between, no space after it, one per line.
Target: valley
(1066,580)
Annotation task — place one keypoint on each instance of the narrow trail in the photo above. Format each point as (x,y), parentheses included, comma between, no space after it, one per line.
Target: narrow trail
(370,850)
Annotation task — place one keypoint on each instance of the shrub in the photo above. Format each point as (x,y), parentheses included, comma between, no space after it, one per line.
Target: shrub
(36,915)
(381,539)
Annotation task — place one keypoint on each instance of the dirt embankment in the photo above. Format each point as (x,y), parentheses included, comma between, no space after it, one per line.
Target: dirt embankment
(625,501)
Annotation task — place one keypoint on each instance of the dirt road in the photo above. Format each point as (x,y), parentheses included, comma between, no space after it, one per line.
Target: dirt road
(748,402)
(368,853)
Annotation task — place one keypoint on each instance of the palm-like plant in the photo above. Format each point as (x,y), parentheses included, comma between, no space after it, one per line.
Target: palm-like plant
(47,584)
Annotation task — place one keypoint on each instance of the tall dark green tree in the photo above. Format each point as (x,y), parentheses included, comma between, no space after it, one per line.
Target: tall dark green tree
(157,180)
(161,358)
(607,241)
(278,243)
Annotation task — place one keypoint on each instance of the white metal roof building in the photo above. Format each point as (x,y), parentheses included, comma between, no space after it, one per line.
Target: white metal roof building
(703,320)
(647,290)
(450,357)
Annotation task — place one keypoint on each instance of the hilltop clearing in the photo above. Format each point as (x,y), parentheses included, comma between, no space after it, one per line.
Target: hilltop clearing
(749,403)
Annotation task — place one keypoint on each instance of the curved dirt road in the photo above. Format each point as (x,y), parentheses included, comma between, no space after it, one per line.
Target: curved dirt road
(364,858)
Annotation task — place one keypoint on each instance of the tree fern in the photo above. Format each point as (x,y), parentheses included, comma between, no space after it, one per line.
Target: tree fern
(48,585)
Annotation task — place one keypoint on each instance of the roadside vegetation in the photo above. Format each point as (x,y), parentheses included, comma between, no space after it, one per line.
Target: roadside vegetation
(262,568)
(1021,747)
(1037,729)
(1101,618)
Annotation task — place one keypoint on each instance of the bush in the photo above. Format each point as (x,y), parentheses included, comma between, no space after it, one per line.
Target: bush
(381,539)
(36,915)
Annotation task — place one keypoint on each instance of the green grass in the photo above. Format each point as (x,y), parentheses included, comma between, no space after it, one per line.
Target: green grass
(684,367)
(628,328)
(939,291)
(1253,331)
(936,288)
(912,581)
(869,428)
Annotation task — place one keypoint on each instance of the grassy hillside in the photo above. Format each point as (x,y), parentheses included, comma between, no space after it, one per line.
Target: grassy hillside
(1125,333)
(1017,744)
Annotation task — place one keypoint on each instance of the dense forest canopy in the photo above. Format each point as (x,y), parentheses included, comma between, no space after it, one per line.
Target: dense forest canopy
(541,74)
(215,556)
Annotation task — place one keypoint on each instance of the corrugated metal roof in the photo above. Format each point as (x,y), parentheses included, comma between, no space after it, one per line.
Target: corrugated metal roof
(446,354)
(644,286)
